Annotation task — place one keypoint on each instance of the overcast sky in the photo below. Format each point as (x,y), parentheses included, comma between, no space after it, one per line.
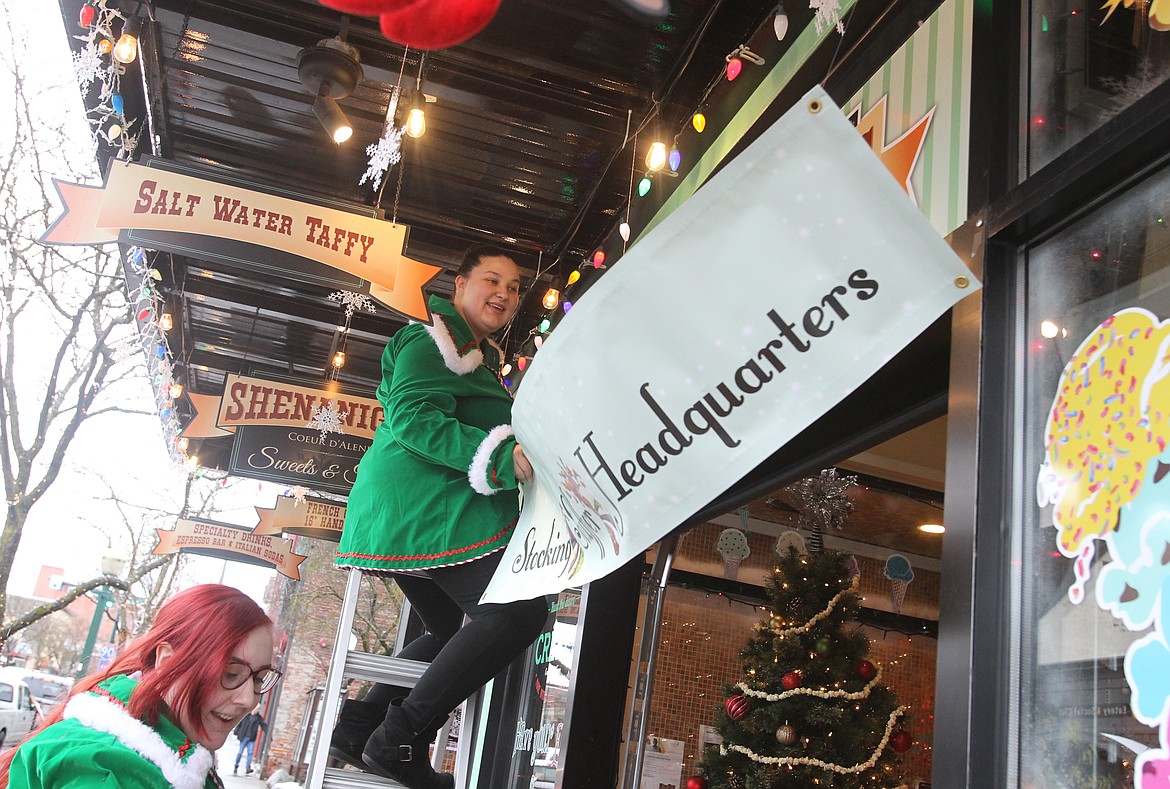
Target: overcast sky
(129,451)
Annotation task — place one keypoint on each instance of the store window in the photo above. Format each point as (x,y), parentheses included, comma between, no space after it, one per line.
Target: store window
(1094,511)
(1089,61)
(537,758)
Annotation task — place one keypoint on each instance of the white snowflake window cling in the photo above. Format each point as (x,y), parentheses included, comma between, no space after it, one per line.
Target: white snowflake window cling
(328,419)
(828,13)
(298,494)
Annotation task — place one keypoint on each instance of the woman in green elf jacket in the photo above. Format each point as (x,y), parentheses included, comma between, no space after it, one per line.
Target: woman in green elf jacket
(434,503)
(155,716)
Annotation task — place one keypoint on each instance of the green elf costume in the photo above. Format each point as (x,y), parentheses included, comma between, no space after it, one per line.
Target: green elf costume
(437,487)
(98,743)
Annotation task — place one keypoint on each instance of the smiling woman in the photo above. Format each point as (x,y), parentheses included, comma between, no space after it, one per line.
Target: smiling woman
(155,715)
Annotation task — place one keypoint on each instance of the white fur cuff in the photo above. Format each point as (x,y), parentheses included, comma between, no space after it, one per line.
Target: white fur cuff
(478,473)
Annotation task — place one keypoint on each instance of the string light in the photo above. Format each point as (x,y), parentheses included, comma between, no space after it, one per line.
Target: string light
(574,275)
(176,390)
(339,359)
(780,23)
(165,322)
(643,187)
(699,121)
(656,156)
(598,258)
(552,297)
(126,50)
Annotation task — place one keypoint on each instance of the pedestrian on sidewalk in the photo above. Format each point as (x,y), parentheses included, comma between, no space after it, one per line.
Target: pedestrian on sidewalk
(248,732)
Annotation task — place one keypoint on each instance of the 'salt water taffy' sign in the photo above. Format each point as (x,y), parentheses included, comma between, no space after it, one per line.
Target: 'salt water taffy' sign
(783,284)
(144,198)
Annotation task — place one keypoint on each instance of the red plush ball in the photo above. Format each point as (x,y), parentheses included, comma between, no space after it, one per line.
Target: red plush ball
(792,680)
(369,7)
(901,741)
(438,24)
(737,707)
(866,670)
(697,782)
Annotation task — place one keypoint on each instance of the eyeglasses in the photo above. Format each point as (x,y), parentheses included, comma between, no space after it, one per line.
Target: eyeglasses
(239,672)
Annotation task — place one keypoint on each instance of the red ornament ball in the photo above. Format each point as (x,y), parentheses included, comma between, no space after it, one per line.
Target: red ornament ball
(866,670)
(737,706)
(792,680)
(697,782)
(438,24)
(901,741)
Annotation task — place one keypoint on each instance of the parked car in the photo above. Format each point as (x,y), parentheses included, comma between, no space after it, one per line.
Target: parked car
(46,689)
(18,716)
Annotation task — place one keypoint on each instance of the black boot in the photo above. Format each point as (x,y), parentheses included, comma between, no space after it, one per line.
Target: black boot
(396,751)
(355,724)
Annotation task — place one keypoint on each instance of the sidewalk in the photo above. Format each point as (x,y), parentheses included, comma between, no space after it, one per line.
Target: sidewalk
(225,756)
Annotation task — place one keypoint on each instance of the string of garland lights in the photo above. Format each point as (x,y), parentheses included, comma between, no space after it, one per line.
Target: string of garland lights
(659,161)
(809,761)
(153,324)
(820,694)
(110,47)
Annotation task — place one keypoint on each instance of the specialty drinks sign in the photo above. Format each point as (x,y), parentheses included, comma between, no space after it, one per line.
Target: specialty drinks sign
(784,283)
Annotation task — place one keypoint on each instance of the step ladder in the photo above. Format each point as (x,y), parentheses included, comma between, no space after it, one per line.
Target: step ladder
(376,668)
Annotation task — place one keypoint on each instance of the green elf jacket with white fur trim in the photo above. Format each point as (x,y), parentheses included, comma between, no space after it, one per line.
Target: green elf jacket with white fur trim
(100,744)
(437,487)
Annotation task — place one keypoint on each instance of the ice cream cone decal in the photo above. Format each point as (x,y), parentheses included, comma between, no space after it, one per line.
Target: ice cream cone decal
(900,574)
(733,547)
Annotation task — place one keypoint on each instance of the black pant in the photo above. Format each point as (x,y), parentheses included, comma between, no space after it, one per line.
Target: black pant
(462,659)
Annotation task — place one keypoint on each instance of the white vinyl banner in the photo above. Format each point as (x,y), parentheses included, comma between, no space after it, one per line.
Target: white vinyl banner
(785,282)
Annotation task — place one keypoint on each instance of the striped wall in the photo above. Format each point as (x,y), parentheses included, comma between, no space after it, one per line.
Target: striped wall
(932,69)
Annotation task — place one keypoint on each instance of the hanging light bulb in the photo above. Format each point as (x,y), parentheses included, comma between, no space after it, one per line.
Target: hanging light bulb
(126,50)
(164,321)
(339,359)
(537,341)
(545,325)
(118,103)
(699,121)
(176,391)
(114,132)
(599,258)
(105,45)
(656,156)
(674,160)
(507,368)
(552,297)
(184,442)
(780,23)
(734,66)
(624,231)
(566,305)
(643,187)
(574,275)
(87,15)
(522,362)
(416,121)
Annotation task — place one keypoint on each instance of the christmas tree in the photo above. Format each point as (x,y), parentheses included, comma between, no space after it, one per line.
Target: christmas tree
(809,709)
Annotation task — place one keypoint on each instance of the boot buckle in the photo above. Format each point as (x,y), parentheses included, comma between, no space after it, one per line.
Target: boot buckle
(405,753)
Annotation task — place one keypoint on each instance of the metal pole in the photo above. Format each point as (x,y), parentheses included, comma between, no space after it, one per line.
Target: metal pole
(647,656)
(104,598)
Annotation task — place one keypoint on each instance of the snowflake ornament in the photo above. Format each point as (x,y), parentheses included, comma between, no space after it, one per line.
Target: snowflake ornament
(352,302)
(328,419)
(387,151)
(828,13)
(88,65)
(298,493)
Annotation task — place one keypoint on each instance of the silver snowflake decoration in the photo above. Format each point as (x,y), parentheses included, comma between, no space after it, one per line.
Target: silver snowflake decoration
(328,419)
(828,12)
(88,65)
(352,302)
(823,498)
(387,151)
(298,493)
